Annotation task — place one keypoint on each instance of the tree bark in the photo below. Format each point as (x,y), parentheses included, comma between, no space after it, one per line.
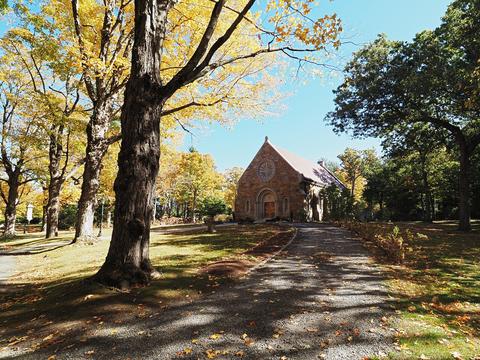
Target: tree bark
(96,148)
(464,190)
(55,154)
(127,262)
(53,207)
(11,205)
(427,203)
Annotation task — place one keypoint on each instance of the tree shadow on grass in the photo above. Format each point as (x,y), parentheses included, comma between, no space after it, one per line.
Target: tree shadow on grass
(297,306)
(225,240)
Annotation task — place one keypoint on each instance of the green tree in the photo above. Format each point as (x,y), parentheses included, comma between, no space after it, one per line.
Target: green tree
(211,207)
(433,79)
(419,143)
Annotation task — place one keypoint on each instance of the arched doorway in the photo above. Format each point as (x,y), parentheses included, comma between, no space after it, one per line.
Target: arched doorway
(266,204)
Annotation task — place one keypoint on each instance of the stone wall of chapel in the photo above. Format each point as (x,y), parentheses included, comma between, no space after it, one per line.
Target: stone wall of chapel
(285,183)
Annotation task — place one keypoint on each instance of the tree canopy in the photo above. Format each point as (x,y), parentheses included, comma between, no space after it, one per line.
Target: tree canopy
(390,86)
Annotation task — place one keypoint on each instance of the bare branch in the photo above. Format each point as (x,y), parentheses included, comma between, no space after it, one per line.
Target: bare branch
(78,31)
(190,104)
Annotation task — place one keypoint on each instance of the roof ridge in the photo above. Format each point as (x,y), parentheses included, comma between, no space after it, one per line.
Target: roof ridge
(279,152)
(307,168)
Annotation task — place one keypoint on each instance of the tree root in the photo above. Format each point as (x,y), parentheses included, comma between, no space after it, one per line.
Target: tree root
(126,276)
(86,240)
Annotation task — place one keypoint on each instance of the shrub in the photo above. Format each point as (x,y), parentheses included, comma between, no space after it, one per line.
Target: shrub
(67,217)
(338,203)
(212,206)
(389,238)
(223,218)
(172,220)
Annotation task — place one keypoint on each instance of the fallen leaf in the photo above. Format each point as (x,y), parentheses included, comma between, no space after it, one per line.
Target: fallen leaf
(248,341)
(212,354)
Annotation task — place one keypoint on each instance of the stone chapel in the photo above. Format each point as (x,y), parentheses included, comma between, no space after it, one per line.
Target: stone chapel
(280,185)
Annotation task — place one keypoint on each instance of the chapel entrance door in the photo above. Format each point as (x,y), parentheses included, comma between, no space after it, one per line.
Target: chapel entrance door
(269,209)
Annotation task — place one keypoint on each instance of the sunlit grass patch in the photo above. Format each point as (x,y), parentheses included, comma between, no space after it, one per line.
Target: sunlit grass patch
(438,292)
(50,291)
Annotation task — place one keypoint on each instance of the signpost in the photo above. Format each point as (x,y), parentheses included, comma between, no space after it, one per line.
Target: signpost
(29,213)
(29,216)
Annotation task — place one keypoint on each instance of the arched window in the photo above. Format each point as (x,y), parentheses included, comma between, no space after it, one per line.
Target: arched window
(285,206)
(247,206)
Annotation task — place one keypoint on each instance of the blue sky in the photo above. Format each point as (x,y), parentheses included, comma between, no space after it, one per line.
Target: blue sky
(300,128)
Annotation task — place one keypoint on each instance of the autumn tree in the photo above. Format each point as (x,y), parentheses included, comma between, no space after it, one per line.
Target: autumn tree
(291,31)
(54,83)
(433,79)
(100,38)
(355,164)
(103,33)
(3,6)
(18,139)
(230,186)
(196,179)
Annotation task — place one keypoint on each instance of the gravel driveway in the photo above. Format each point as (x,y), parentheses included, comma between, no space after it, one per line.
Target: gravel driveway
(321,299)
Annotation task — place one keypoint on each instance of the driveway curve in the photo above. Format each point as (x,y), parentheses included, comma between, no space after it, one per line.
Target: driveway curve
(322,298)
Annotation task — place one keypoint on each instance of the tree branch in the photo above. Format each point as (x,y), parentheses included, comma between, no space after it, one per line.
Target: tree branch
(78,31)
(113,139)
(186,77)
(202,47)
(190,104)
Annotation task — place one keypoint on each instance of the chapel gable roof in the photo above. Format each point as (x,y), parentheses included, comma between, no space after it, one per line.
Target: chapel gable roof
(310,170)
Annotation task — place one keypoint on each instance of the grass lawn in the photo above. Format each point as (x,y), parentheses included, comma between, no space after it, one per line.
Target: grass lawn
(438,288)
(49,295)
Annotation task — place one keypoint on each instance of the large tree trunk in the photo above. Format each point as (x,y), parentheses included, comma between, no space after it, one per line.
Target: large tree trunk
(127,262)
(96,148)
(11,205)
(53,207)
(464,190)
(55,154)
(44,217)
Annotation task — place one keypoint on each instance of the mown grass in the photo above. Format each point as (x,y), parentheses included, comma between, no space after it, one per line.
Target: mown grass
(51,291)
(438,292)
